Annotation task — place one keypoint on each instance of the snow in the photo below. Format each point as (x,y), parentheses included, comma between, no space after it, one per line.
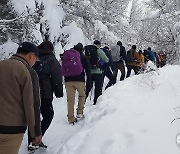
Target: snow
(137,115)
(7,49)
(75,35)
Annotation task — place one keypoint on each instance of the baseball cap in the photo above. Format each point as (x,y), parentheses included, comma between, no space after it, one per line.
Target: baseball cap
(27,47)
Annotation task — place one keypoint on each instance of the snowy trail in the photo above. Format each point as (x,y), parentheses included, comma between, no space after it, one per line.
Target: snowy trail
(59,131)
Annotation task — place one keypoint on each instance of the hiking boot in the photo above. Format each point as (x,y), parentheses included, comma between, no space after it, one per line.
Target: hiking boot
(80,116)
(32,147)
(42,146)
(72,123)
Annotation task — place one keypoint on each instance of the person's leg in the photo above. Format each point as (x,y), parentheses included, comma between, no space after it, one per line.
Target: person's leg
(47,113)
(29,137)
(128,71)
(10,143)
(80,86)
(111,78)
(115,71)
(98,86)
(88,89)
(70,91)
(136,70)
(122,69)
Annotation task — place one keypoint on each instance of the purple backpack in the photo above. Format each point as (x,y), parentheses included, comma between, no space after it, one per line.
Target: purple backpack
(71,63)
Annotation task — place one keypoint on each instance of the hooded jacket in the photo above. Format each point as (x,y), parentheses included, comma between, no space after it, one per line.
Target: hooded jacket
(53,81)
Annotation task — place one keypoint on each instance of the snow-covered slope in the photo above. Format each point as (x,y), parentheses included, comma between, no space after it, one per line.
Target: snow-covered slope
(134,116)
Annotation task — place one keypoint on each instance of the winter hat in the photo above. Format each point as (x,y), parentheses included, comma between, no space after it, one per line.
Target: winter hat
(79,47)
(97,42)
(27,47)
(119,43)
(47,46)
(106,47)
(149,48)
(134,47)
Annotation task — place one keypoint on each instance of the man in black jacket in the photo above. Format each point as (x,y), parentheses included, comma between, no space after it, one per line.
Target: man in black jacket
(108,68)
(78,83)
(49,84)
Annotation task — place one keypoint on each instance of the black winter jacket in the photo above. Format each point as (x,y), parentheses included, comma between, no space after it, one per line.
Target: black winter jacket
(53,80)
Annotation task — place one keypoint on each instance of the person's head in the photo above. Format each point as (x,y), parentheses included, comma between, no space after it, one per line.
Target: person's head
(29,52)
(134,47)
(140,52)
(46,46)
(106,48)
(119,43)
(149,48)
(97,43)
(79,47)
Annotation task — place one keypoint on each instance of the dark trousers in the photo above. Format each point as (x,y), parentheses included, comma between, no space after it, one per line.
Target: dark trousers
(97,79)
(134,68)
(107,72)
(47,113)
(119,66)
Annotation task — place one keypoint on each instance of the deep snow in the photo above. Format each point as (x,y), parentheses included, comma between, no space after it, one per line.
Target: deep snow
(133,116)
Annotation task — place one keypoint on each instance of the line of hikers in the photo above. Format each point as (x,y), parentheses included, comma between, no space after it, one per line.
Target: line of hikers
(83,67)
(30,78)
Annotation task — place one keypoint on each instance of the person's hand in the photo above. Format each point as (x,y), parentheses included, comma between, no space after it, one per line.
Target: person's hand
(37,140)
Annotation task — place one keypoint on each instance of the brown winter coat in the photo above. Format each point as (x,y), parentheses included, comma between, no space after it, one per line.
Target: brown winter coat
(16,98)
(139,59)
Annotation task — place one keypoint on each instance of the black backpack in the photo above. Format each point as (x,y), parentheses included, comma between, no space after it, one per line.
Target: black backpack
(91,53)
(39,68)
(130,57)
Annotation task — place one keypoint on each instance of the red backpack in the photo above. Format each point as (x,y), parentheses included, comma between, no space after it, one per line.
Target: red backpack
(71,63)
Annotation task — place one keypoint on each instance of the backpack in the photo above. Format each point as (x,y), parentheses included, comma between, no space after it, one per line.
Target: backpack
(71,63)
(115,53)
(91,53)
(39,68)
(130,57)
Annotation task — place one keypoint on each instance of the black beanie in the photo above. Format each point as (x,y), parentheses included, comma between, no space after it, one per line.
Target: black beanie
(79,47)
(47,46)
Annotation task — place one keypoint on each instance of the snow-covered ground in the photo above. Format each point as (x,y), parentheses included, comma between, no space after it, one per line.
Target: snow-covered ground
(135,116)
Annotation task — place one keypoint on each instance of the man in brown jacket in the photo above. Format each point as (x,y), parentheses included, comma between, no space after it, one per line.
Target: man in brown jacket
(17,109)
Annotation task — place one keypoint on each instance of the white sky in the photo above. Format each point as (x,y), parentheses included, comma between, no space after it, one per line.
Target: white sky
(132,117)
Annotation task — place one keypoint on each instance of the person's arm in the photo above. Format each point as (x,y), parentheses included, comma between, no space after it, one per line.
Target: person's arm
(123,52)
(102,56)
(56,78)
(37,101)
(87,67)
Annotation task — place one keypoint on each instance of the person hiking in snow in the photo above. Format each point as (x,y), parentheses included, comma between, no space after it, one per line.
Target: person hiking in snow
(79,83)
(20,99)
(96,72)
(132,62)
(146,56)
(118,53)
(108,68)
(50,80)
(140,60)
(151,54)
